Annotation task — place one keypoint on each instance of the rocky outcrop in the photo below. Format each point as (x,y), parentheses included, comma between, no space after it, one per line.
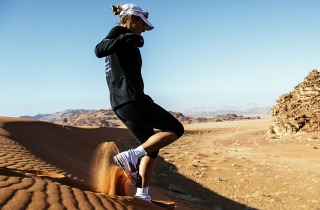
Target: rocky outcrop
(298,110)
(101,118)
(57,116)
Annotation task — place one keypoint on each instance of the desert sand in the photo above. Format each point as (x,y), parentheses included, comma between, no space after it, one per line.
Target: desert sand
(219,165)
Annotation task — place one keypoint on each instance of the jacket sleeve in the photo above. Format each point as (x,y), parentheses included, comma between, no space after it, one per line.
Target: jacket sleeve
(110,45)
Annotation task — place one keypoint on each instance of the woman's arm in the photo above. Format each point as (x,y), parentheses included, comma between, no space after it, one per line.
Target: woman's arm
(110,45)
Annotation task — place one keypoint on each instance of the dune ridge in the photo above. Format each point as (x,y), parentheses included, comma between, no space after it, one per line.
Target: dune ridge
(50,166)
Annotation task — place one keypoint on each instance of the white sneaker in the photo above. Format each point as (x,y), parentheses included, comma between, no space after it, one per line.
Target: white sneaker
(144,197)
(129,163)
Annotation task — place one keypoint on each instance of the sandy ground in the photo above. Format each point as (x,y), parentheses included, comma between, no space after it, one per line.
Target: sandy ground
(237,165)
(224,165)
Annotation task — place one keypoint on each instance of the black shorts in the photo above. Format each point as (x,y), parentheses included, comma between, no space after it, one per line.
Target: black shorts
(142,117)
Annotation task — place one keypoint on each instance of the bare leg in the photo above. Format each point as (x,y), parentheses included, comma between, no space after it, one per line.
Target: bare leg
(146,169)
(158,141)
(155,142)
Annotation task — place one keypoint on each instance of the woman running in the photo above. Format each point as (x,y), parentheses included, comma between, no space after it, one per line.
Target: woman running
(129,102)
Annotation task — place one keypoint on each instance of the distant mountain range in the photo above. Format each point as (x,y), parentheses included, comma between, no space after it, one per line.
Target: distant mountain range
(107,118)
(238,110)
(57,115)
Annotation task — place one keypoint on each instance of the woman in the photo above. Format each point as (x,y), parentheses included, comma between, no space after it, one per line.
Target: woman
(134,108)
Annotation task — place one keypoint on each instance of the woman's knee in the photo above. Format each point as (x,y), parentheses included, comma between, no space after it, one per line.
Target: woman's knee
(179,131)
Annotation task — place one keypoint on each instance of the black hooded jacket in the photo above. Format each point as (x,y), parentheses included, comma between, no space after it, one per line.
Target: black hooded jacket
(123,65)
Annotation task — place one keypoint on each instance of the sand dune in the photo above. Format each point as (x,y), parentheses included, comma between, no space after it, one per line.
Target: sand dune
(225,165)
(44,165)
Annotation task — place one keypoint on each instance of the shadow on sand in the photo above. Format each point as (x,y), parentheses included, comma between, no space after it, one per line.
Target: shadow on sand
(166,178)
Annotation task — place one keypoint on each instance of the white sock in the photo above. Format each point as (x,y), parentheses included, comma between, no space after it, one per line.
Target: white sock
(142,191)
(143,194)
(140,151)
(144,197)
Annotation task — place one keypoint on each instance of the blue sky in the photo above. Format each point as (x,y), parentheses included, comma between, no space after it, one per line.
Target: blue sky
(200,54)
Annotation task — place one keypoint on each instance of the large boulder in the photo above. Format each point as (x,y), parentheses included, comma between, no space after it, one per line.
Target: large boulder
(298,110)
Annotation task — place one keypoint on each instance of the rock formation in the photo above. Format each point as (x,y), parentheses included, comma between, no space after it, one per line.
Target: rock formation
(298,110)
(101,118)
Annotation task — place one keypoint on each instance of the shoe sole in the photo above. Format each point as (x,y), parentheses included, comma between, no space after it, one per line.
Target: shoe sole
(132,177)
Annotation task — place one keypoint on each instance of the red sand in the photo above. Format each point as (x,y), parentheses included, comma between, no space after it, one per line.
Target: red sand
(44,165)
(224,165)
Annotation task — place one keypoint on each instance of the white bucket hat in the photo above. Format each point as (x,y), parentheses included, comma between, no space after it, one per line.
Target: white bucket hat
(133,9)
